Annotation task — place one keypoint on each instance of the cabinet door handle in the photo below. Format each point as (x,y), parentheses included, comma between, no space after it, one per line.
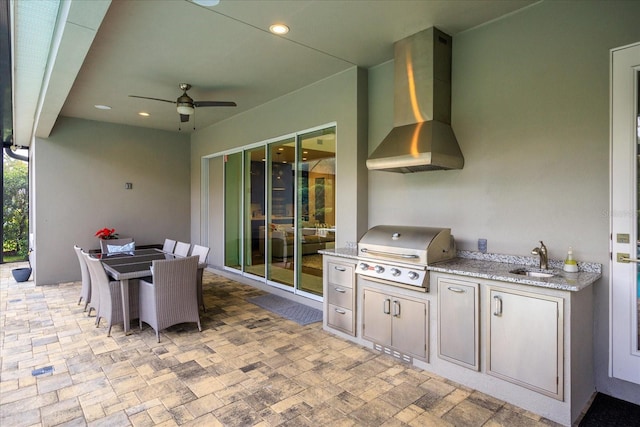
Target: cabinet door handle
(340,311)
(497,306)
(386,306)
(396,308)
(342,291)
(340,268)
(456,290)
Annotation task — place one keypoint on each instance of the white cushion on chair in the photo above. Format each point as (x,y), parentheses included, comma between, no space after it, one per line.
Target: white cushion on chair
(129,247)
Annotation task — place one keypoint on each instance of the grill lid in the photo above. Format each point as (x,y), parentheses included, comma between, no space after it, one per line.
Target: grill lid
(418,245)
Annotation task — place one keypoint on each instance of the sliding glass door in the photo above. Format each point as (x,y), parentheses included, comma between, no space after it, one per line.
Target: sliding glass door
(232,210)
(280,209)
(316,205)
(281,227)
(255,212)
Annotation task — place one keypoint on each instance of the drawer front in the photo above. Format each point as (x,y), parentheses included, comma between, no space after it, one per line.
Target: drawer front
(340,318)
(340,295)
(340,274)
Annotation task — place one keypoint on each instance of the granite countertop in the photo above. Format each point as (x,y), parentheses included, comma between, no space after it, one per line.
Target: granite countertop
(341,252)
(498,267)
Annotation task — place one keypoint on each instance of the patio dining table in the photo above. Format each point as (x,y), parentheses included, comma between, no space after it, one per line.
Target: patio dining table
(132,265)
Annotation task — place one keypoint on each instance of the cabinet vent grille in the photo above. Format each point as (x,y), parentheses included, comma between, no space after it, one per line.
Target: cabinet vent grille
(393,353)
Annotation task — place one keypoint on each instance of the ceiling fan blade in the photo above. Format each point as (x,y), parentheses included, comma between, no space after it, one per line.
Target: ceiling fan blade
(154,99)
(184,118)
(214,104)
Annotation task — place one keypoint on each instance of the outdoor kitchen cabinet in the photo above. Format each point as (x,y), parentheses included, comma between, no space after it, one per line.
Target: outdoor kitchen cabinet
(395,322)
(459,322)
(525,340)
(340,293)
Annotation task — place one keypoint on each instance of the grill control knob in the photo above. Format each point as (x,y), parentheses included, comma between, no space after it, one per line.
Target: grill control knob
(413,275)
(395,272)
(364,266)
(379,269)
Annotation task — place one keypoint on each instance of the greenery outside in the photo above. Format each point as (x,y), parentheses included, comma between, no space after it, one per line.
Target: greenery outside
(15,209)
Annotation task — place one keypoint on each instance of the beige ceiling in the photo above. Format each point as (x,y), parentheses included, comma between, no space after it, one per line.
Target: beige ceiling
(147,47)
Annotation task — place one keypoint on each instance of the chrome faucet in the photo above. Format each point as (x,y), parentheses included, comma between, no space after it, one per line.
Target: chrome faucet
(542,251)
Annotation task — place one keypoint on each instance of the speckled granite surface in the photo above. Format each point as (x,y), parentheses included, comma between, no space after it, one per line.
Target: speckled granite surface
(341,252)
(498,267)
(494,270)
(532,261)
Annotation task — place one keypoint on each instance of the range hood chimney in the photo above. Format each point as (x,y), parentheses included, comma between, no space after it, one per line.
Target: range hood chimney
(422,138)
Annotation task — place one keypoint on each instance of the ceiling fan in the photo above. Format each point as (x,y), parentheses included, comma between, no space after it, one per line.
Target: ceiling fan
(186,105)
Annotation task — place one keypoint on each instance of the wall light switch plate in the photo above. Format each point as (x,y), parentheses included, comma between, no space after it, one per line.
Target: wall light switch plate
(128,185)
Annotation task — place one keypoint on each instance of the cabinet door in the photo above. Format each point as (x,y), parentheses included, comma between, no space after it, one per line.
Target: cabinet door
(376,317)
(409,326)
(525,340)
(458,330)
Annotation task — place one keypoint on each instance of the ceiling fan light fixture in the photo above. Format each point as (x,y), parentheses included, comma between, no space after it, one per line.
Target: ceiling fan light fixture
(186,109)
(185,105)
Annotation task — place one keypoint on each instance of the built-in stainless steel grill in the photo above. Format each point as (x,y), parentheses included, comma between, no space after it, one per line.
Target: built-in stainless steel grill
(400,254)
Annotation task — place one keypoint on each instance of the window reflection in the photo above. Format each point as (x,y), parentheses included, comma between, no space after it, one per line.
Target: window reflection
(316,202)
(255,211)
(280,209)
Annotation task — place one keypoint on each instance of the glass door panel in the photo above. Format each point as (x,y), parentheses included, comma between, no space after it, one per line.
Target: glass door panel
(316,205)
(280,207)
(233,210)
(255,211)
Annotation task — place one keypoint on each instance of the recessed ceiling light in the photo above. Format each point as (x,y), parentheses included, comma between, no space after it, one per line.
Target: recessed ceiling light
(102,107)
(206,3)
(279,29)
(144,114)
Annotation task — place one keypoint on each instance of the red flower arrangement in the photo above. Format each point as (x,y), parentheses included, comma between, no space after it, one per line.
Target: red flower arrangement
(107,234)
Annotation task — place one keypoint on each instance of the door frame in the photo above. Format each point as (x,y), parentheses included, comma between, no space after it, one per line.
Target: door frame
(624,355)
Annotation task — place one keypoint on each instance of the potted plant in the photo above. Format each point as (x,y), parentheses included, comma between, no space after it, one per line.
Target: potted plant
(23,274)
(107,234)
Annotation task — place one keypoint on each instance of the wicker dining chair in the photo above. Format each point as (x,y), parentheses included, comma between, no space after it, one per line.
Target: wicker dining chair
(85,290)
(105,243)
(168,246)
(172,297)
(201,252)
(110,307)
(182,249)
(94,301)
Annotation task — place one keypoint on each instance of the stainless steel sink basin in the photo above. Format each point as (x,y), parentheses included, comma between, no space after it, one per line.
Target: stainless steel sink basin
(531,273)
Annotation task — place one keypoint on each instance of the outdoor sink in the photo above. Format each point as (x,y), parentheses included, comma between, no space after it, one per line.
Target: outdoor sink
(531,273)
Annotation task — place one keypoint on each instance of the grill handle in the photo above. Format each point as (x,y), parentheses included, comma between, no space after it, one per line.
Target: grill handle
(390,254)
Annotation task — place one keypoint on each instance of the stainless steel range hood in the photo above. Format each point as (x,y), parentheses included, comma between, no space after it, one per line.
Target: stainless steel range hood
(422,138)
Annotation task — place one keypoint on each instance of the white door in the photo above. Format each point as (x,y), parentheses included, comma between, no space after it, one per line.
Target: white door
(624,288)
